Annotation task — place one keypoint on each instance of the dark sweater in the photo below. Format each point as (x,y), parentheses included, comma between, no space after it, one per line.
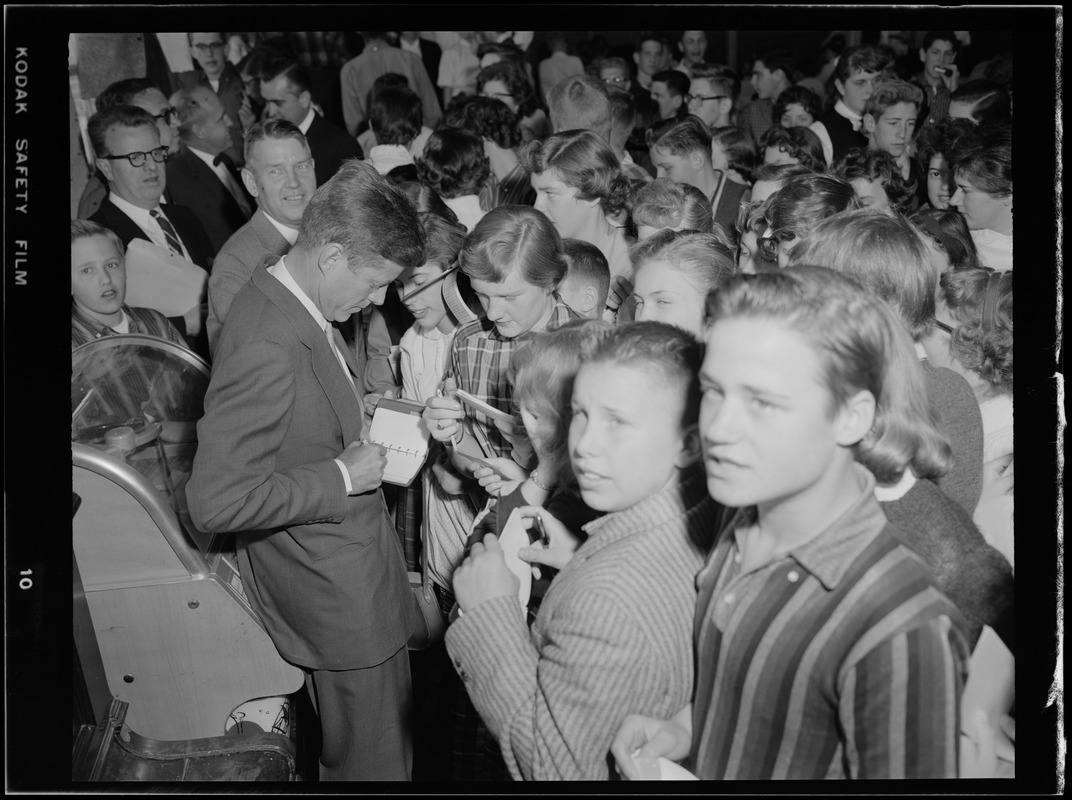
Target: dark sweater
(970,572)
(962,422)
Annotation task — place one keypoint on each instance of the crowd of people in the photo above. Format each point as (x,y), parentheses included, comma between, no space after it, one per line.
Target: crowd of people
(746,340)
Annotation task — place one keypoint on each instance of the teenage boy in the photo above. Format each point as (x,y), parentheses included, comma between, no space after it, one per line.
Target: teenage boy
(587,280)
(712,94)
(772,74)
(683,154)
(840,129)
(668,90)
(693,51)
(940,75)
(890,123)
(652,56)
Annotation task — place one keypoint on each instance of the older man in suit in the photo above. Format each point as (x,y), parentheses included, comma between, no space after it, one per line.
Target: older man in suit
(202,176)
(283,464)
(131,160)
(287,92)
(279,173)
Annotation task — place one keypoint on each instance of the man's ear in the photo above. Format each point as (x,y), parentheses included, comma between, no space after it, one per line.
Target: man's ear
(249,182)
(636,59)
(855,418)
(105,167)
(676,102)
(305,100)
(330,257)
(869,123)
(690,447)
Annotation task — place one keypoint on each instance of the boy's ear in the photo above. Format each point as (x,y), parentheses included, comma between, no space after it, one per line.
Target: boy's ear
(855,418)
(869,123)
(589,301)
(690,447)
(696,160)
(922,54)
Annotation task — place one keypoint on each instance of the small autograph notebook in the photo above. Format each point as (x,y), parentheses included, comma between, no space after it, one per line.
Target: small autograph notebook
(399,426)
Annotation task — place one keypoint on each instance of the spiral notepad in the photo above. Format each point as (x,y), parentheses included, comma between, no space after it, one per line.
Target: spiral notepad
(398,425)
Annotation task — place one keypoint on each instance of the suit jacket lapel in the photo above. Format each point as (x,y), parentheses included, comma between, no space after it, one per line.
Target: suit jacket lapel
(271,239)
(348,408)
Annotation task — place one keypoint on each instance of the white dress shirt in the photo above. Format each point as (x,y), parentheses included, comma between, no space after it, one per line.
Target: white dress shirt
(144,220)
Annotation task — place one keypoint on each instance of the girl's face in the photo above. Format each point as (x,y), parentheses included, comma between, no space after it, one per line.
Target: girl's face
(776,155)
(796,117)
(625,438)
(663,294)
(98,276)
(427,307)
(939,182)
(747,253)
(768,434)
(498,90)
(561,204)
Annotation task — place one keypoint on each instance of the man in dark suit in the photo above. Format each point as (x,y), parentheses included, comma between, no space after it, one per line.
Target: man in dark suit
(286,90)
(131,159)
(202,176)
(430,52)
(279,173)
(282,463)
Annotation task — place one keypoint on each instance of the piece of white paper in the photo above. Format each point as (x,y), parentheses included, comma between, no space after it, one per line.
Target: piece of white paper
(159,279)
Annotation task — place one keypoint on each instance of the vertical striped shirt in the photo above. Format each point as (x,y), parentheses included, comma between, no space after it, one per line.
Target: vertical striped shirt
(841,659)
(479,358)
(141,320)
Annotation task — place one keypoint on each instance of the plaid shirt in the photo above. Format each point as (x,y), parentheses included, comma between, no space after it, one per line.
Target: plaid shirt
(937,98)
(142,320)
(756,118)
(478,361)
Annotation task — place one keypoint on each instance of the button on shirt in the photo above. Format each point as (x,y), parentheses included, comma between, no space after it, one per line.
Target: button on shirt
(280,273)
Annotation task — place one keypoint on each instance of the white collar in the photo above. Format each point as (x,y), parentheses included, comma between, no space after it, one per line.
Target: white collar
(846,112)
(207,158)
(415,47)
(280,272)
(886,494)
(287,232)
(306,123)
(921,352)
(140,215)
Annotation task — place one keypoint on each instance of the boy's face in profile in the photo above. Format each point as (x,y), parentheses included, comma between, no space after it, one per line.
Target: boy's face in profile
(680,168)
(856,91)
(515,305)
(98,276)
(580,296)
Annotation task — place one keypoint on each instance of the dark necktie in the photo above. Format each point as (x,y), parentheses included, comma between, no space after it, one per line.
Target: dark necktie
(235,190)
(169,232)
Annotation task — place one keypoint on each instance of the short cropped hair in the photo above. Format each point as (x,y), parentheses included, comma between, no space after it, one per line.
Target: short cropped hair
(778,58)
(861,345)
(930,37)
(800,143)
(271,129)
(622,115)
(364,213)
(884,253)
(740,149)
(703,259)
(652,36)
(720,77)
(454,163)
(985,158)
(988,100)
(948,229)
(511,239)
(84,228)
(677,83)
(516,82)
(980,300)
(780,172)
(880,166)
(490,119)
(296,74)
(689,135)
(586,263)
(805,201)
(861,58)
(580,102)
(395,116)
(665,204)
(666,351)
(584,161)
(122,93)
(890,93)
(797,95)
(116,117)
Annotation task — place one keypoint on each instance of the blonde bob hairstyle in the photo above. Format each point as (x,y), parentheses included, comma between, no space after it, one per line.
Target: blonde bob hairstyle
(861,345)
(511,239)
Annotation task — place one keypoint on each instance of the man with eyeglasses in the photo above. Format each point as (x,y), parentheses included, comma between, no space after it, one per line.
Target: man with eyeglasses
(143,93)
(202,176)
(712,93)
(131,159)
(209,51)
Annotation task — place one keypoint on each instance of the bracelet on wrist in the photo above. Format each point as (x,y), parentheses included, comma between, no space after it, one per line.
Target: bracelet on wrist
(534,476)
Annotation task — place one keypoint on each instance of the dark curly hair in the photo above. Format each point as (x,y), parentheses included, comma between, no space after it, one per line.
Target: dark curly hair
(949,231)
(980,300)
(491,119)
(454,163)
(740,149)
(799,143)
(583,160)
(797,95)
(516,82)
(876,165)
